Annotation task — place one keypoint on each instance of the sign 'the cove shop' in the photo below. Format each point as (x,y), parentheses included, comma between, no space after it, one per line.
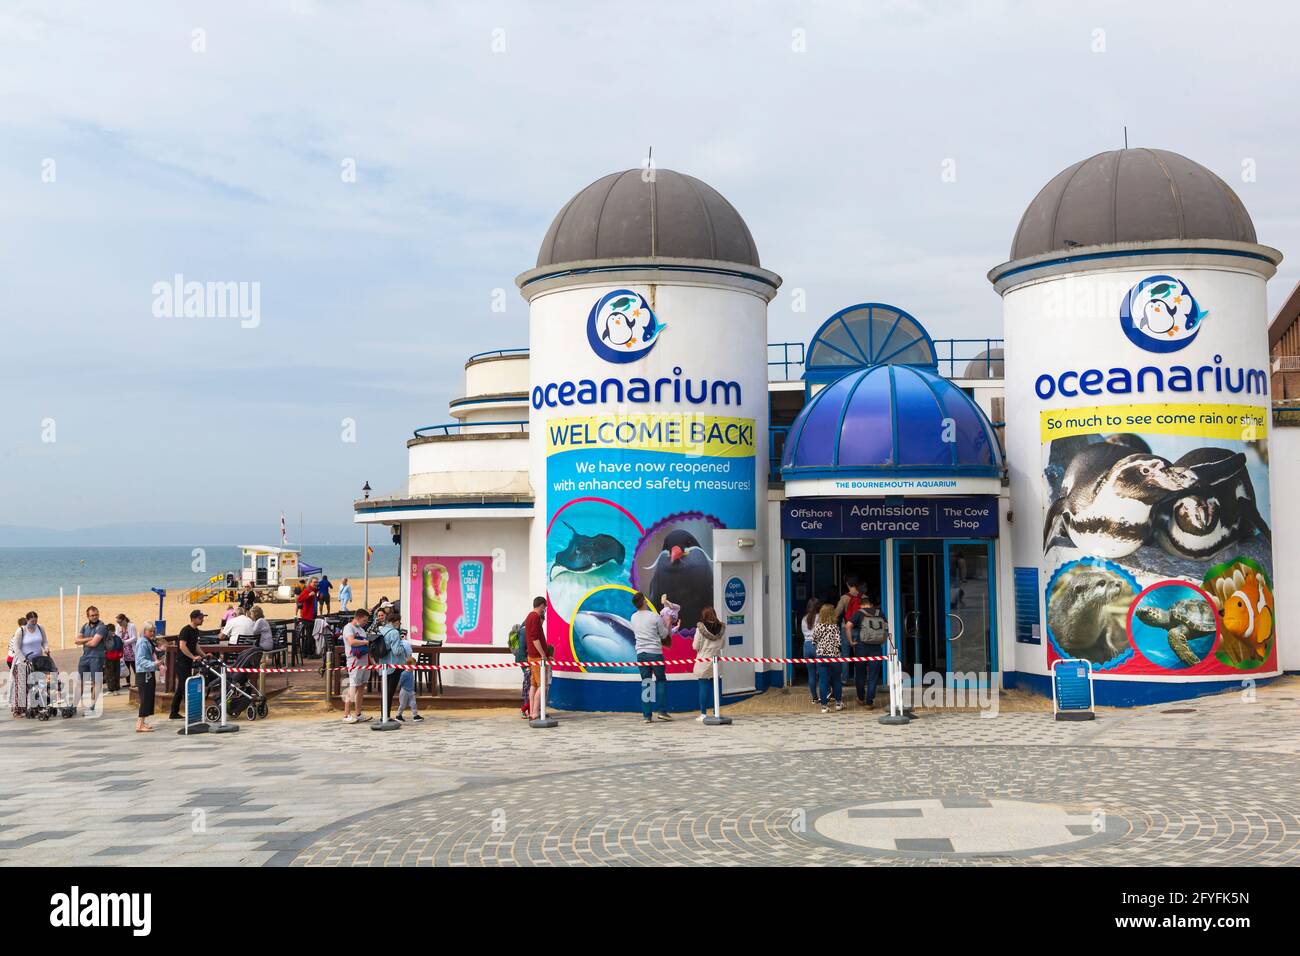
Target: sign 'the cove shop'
(974,516)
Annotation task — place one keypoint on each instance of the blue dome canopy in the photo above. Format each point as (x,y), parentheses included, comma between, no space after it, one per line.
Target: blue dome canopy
(891,419)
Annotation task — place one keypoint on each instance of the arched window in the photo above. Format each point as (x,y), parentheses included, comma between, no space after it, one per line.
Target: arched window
(871,333)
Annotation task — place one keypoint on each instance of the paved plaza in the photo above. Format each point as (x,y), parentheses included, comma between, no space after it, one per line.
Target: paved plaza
(1212,781)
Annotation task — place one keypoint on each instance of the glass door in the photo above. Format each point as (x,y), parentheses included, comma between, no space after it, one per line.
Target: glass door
(969,588)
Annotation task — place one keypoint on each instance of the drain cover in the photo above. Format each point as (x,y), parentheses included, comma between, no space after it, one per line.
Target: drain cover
(1180,710)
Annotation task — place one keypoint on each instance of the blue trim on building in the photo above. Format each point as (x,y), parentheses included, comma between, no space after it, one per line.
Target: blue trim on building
(1123,693)
(1130,254)
(504,505)
(805,472)
(650,267)
(512,397)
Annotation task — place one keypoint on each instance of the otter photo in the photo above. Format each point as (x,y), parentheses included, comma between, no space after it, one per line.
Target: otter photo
(1086,611)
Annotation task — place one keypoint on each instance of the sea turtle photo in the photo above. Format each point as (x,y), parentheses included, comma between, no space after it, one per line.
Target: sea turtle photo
(1185,621)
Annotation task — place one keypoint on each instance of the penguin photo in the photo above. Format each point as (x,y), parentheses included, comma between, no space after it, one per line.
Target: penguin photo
(684,571)
(1107,498)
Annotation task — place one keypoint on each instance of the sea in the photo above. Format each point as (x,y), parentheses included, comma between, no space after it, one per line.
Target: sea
(40,572)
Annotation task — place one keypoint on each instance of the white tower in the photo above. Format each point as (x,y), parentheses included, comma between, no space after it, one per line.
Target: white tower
(1138,413)
(648,421)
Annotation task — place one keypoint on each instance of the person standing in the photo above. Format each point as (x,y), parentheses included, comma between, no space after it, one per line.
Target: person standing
(710,634)
(345,595)
(807,624)
(519,648)
(847,606)
(306,620)
(651,634)
(93,641)
(145,653)
(535,637)
(248,598)
(827,637)
(868,628)
(29,642)
(323,591)
(188,654)
(391,649)
(127,635)
(356,645)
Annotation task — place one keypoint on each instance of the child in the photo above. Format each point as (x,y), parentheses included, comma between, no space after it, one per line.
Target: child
(406,693)
(669,613)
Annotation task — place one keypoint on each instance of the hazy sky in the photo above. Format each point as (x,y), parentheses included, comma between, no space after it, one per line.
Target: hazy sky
(128,156)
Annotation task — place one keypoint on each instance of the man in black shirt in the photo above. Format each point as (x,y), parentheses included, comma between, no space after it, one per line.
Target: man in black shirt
(187,652)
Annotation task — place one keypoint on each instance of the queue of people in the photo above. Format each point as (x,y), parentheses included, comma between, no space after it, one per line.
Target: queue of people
(854,626)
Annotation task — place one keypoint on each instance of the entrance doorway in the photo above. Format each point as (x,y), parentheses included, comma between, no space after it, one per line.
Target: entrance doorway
(946,608)
(827,564)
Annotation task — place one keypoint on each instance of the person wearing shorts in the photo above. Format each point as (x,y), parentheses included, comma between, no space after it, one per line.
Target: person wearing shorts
(356,645)
(93,641)
(535,636)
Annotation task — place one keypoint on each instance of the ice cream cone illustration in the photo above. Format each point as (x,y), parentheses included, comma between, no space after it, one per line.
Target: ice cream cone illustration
(436,578)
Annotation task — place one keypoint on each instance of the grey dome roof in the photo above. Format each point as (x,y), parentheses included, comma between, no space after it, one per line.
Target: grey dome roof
(1131,195)
(621,216)
(988,364)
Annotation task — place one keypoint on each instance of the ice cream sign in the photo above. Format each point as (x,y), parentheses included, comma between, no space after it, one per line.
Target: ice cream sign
(451,600)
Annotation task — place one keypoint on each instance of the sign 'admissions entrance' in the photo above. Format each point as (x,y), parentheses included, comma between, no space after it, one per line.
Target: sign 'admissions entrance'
(973,516)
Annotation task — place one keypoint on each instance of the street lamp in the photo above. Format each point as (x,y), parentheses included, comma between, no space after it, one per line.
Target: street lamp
(365,555)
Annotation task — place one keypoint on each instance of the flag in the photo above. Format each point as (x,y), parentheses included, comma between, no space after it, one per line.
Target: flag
(369,553)
(284,533)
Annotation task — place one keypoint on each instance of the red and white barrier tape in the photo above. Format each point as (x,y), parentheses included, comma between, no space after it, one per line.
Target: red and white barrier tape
(555,664)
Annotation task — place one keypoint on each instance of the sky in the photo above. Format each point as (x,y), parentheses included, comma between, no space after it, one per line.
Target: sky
(379,172)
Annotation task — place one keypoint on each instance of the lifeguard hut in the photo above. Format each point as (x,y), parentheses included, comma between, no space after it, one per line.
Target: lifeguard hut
(266,566)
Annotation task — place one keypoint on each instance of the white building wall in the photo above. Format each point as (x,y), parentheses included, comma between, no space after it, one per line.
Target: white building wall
(496,376)
(1284,475)
(471,466)
(510,598)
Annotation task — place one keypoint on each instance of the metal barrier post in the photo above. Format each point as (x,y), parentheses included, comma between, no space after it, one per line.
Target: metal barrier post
(386,722)
(894,674)
(542,721)
(717,720)
(223,727)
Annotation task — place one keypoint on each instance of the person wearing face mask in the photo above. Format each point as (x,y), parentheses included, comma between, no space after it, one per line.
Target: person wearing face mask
(29,642)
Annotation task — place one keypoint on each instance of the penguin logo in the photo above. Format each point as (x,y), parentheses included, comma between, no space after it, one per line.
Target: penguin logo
(1160,314)
(622,327)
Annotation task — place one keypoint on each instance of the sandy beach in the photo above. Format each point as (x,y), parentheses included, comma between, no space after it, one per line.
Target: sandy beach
(142,607)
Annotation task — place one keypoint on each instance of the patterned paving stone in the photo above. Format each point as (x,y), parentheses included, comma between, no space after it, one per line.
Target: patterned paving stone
(1216,785)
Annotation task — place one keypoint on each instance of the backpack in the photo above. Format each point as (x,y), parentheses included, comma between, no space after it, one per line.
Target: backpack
(872,629)
(518,646)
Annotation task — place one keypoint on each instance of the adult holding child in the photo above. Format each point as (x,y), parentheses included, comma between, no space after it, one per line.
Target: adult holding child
(356,648)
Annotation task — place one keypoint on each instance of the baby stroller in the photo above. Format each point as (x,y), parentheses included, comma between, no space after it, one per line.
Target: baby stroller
(241,689)
(46,693)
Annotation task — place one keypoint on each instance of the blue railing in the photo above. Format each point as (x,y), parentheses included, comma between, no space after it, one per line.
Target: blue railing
(458,428)
(776,436)
(784,356)
(960,353)
(496,353)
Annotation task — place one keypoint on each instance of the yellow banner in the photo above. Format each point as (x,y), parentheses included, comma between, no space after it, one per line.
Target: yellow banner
(683,434)
(1232,422)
